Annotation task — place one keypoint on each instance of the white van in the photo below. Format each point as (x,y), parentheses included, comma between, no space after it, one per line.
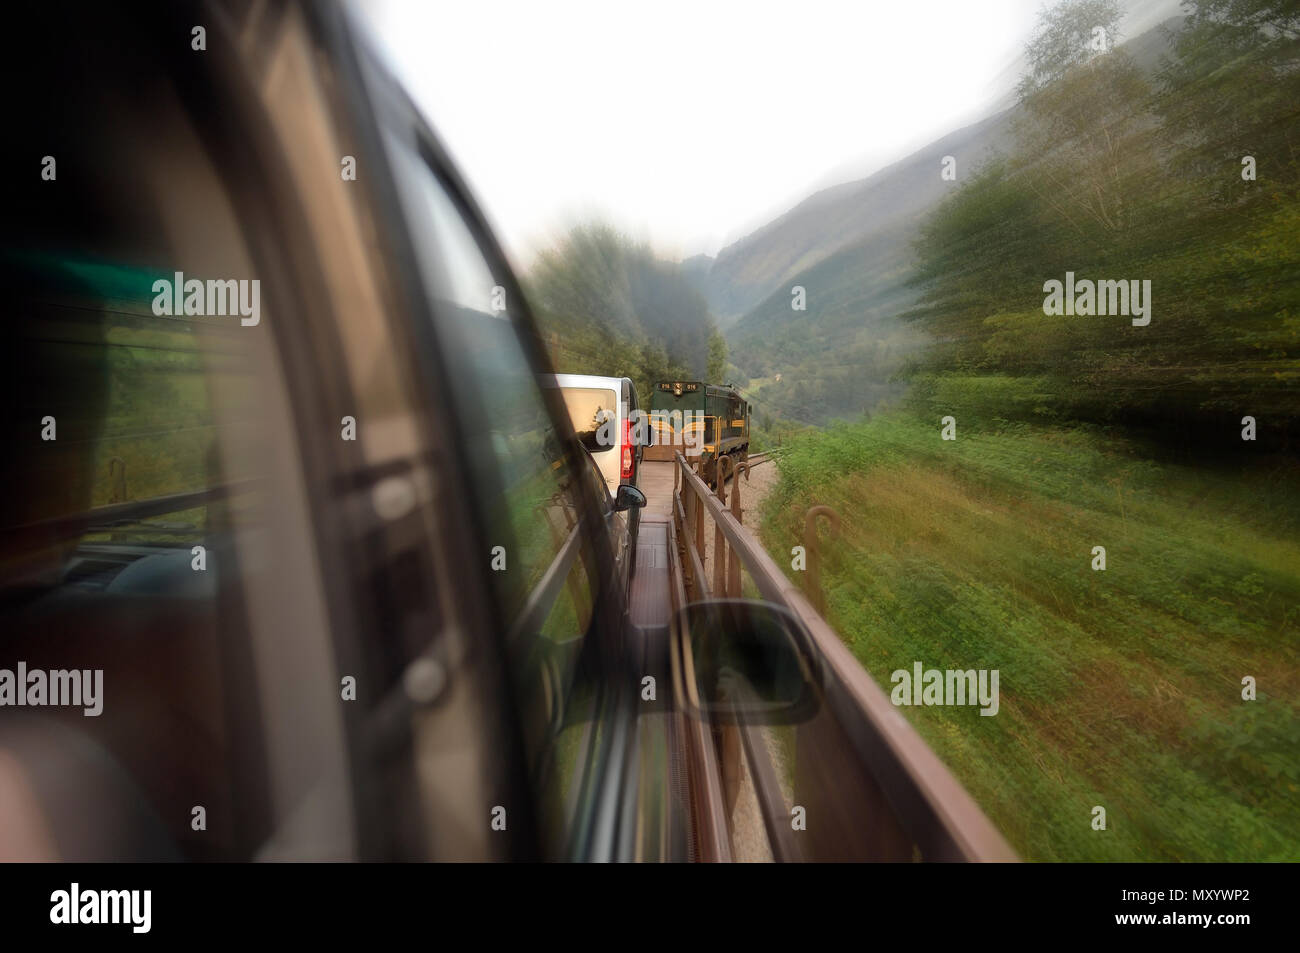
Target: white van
(603,411)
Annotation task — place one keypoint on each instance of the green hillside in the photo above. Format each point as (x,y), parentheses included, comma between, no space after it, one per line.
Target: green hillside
(1118,688)
(1171,443)
(852,249)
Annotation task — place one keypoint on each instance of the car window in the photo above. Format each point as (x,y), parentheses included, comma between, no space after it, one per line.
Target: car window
(597,485)
(537,549)
(593,411)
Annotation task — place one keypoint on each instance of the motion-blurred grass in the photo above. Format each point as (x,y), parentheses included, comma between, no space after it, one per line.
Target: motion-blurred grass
(1119,688)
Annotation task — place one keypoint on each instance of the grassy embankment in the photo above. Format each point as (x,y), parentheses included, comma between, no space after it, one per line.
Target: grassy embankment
(1120,688)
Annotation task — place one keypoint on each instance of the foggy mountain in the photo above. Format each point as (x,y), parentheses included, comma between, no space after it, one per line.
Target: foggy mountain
(849,247)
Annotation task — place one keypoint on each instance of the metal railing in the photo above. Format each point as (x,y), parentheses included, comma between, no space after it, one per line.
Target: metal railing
(869,786)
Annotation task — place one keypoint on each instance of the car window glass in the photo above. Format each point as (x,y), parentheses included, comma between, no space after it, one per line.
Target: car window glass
(538,553)
(157,507)
(593,411)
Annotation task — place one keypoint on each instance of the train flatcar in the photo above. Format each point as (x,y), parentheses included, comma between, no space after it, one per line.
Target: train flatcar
(703,421)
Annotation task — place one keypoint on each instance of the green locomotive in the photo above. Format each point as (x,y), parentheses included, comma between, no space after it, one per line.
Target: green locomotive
(703,421)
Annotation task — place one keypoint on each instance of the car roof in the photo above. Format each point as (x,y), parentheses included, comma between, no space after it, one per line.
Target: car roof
(583,380)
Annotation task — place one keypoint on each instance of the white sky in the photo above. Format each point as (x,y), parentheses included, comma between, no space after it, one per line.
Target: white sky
(688,124)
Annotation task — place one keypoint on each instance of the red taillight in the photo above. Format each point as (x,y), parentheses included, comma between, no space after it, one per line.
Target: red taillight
(626,473)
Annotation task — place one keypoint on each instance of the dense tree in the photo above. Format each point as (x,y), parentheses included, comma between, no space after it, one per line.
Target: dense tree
(1232,89)
(610,307)
(1113,179)
(717,366)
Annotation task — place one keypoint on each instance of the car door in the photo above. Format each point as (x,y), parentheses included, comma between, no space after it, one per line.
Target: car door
(522,565)
(632,415)
(193,528)
(619,526)
(541,536)
(413,627)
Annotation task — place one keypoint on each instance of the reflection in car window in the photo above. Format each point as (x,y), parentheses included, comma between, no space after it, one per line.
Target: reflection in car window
(543,569)
(593,411)
(136,534)
(597,486)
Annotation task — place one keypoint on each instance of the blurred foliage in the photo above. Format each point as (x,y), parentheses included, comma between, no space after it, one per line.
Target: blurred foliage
(607,306)
(1120,688)
(839,358)
(1067,37)
(717,368)
(1233,89)
(1115,177)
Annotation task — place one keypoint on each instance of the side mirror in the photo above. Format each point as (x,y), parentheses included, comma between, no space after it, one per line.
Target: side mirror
(747,662)
(628,497)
